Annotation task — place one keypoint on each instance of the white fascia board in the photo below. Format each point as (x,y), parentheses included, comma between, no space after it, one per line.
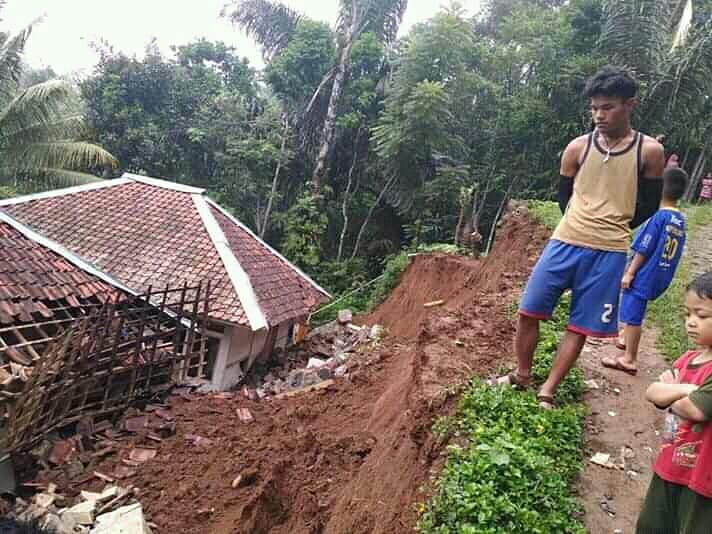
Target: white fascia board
(266,245)
(75,260)
(65,191)
(165,184)
(238,276)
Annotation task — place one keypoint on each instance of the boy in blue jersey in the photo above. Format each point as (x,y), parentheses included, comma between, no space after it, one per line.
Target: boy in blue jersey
(657,250)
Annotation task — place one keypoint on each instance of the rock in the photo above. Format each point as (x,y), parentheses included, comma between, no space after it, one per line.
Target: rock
(246,478)
(62,451)
(90,496)
(315,363)
(82,513)
(376,331)
(245,415)
(44,500)
(124,520)
(324,373)
(341,371)
(310,378)
(110,492)
(295,380)
(345,316)
(57,524)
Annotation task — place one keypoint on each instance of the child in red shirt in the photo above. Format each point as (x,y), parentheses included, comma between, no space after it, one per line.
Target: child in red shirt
(679,499)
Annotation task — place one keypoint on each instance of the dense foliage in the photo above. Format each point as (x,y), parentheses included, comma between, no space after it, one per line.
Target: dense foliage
(351,145)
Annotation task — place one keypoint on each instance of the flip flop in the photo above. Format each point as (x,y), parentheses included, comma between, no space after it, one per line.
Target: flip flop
(620,346)
(616,365)
(514,380)
(546,402)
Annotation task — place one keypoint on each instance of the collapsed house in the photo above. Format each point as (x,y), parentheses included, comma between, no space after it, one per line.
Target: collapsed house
(144,232)
(77,344)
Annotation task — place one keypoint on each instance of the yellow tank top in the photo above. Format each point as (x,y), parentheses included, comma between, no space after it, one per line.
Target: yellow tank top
(604,197)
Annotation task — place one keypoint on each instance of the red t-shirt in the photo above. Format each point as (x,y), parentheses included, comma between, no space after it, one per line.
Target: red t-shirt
(688,460)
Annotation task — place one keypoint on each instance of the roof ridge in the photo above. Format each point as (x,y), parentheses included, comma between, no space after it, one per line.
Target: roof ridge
(237,275)
(64,191)
(165,184)
(265,244)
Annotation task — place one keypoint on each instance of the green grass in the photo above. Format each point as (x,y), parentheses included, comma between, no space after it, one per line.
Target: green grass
(514,464)
(667,313)
(545,212)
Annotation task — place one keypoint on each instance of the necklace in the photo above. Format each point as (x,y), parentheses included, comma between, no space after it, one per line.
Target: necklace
(609,147)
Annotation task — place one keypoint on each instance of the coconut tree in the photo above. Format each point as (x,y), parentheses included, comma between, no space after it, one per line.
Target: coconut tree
(40,126)
(272,24)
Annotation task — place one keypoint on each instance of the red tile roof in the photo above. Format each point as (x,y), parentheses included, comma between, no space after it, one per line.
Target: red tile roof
(145,233)
(31,276)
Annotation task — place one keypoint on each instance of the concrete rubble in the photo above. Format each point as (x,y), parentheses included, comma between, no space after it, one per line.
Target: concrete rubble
(108,512)
(326,353)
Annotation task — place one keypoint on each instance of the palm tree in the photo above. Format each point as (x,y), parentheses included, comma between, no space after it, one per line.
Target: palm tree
(675,73)
(40,125)
(272,25)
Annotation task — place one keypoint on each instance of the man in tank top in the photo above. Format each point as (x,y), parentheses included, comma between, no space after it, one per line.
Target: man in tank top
(610,183)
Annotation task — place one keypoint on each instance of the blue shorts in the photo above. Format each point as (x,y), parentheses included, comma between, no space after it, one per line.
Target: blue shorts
(632,308)
(594,278)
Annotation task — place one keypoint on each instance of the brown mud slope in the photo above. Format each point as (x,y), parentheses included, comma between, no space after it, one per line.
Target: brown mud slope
(350,458)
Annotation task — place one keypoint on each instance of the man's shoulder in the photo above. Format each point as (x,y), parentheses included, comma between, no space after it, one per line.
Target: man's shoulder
(651,146)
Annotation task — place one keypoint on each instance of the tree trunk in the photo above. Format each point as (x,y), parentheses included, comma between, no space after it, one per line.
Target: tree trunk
(386,187)
(458,228)
(696,174)
(347,193)
(275,180)
(329,130)
(497,216)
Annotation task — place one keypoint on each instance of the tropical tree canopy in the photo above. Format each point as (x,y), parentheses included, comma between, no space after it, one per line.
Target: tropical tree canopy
(43,140)
(353,143)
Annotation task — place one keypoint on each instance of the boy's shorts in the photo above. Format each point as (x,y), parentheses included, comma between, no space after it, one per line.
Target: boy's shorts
(594,278)
(671,508)
(632,308)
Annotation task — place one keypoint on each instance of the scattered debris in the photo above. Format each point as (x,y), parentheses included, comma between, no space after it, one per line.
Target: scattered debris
(592,384)
(345,316)
(200,441)
(433,303)
(612,413)
(245,415)
(602,459)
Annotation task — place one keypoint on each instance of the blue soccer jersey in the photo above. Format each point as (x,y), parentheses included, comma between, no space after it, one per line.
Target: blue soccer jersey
(661,241)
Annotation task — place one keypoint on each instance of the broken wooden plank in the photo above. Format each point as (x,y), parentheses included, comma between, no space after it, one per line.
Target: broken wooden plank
(321,385)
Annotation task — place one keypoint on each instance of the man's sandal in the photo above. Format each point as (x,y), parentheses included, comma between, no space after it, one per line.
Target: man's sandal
(546,402)
(513,380)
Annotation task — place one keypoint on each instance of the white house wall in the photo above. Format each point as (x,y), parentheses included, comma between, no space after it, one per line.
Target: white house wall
(239,347)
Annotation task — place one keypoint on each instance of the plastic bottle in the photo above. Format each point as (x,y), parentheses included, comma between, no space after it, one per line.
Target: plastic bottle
(670,427)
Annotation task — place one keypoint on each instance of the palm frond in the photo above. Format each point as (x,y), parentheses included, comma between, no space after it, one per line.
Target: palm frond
(636,33)
(269,22)
(382,17)
(11,51)
(67,155)
(44,102)
(43,179)
(64,127)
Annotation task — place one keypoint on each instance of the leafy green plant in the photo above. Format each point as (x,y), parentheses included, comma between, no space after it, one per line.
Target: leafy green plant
(514,473)
(545,212)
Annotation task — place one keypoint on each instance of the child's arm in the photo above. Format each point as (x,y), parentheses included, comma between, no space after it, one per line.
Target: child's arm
(697,406)
(635,264)
(665,394)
